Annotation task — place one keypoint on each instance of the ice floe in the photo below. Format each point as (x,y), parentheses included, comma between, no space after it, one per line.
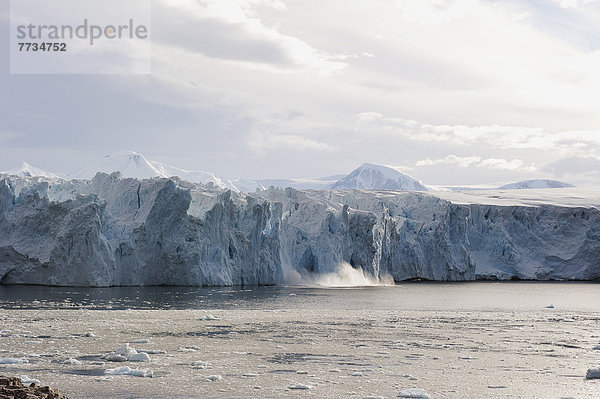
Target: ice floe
(199,364)
(299,386)
(125,353)
(25,380)
(139,357)
(129,371)
(414,393)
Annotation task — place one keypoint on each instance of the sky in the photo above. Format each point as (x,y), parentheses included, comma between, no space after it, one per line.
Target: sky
(452,92)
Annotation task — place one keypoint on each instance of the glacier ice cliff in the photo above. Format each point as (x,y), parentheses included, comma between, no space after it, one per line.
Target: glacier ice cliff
(122,231)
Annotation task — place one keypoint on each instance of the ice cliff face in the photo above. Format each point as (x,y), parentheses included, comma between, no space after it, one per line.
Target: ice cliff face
(121,231)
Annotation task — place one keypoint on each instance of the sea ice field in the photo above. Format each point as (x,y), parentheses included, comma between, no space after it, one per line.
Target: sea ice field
(419,340)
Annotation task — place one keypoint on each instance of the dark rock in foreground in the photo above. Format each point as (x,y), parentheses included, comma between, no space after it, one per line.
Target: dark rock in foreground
(13,388)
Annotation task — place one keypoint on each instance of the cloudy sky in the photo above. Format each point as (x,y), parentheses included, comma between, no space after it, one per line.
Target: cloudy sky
(451,92)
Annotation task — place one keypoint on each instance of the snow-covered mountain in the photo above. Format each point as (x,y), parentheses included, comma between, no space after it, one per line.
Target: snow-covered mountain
(537,183)
(194,176)
(27,170)
(135,165)
(369,176)
(129,163)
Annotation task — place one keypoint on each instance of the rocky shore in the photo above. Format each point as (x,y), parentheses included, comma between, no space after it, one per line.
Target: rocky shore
(13,388)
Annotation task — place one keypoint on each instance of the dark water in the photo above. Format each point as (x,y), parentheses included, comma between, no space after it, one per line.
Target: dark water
(471,296)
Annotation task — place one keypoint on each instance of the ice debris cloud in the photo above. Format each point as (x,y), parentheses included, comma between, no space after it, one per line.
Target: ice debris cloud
(347,276)
(112,230)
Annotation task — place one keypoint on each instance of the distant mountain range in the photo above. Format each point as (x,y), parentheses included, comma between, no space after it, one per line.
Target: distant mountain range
(538,183)
(367,176)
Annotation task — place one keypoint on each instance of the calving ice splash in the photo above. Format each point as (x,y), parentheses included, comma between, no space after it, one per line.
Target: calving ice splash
(344,276)
(348,276)
(84,31)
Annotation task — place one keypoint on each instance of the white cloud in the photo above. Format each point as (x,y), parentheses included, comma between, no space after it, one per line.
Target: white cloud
(582,142)
(262,142)
(572,3)
(478,162)
(231,31)
(463,162)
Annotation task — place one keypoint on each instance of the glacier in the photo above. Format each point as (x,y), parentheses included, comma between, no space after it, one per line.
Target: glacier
(112,231)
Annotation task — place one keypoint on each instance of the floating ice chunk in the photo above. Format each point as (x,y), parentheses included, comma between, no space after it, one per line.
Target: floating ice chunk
(72,361)
(129,371)
(593,373)
(550,307)
(414,393)
(12,360)
(139,357)
(188,348)
(215,377)
(141,341)
(126,350)
(26,380)
(90,334)
(116,358)
(597,347)
(210,317)
(200,364)
(299,386)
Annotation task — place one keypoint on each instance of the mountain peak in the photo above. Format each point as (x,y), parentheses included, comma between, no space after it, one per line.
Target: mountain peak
(369,176)
(129,163)
(28,170)
(136,165)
